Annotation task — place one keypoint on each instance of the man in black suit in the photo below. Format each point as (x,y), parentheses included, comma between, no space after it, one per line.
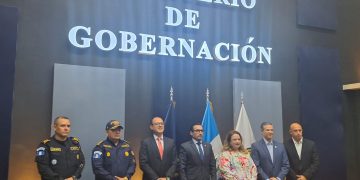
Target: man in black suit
(302,153)
(157,154)
(196,159)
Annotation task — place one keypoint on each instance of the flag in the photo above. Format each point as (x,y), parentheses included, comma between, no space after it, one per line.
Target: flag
(170,122)
(211,133)
(244,127)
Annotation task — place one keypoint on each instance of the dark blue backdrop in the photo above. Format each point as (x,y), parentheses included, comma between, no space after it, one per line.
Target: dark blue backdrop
(8,28)
(320,107)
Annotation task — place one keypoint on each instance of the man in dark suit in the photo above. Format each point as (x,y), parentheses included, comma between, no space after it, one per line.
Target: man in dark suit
(157,154)
(269,156)
(196,159)
(302,153)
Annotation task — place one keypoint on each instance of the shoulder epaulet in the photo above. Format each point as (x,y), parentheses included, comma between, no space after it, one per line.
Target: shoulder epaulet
(74,140)
(46,141)
(98,144)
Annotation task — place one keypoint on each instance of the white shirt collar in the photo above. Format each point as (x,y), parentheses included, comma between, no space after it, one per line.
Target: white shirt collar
(161,137)
(196,141)
(267,142)
(295,142)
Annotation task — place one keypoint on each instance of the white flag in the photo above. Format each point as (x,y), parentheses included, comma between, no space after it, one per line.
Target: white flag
(244,127)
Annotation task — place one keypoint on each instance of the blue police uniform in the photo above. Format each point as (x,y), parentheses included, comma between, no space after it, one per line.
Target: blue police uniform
(109,160)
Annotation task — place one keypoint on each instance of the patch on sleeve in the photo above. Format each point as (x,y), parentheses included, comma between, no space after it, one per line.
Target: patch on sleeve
(40,151)
(97,154)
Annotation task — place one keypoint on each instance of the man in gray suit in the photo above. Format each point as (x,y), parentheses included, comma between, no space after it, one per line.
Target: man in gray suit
(196,158)
(269,156)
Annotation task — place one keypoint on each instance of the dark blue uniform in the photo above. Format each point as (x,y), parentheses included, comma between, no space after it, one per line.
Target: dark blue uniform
(109,160)
(57,160)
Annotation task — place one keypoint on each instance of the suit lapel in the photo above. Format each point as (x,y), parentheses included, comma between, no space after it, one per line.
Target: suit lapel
(303,148)
(266,149)
(276,154)
(293,149)
(155,148)
(206,150)
(166,146)
(192,144)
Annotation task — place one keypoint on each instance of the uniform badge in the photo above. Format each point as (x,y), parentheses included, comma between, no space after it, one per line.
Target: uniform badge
(54,162)
(107,146)
(108,154)
(74,148)
(126,153)
(77,156)
(40,151)
(97,154)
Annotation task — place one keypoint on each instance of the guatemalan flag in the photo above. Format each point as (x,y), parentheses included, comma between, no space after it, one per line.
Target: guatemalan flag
(211,133)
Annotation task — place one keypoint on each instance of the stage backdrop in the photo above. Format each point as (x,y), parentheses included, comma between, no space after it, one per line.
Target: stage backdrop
(90,96)
(8,32)
(262,101)
(212,44)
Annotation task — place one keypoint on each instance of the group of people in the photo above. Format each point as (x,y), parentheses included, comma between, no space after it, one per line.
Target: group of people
(61,157)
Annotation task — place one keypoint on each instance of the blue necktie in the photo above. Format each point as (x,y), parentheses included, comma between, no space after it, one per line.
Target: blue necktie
(200,150)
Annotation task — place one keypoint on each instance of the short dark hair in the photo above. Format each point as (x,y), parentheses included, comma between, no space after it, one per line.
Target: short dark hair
(151,120)
(295,122)
(264,124)
(192,126)
(60,117)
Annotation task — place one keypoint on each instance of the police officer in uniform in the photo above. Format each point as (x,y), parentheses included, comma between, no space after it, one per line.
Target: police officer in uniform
(112,158)
(60,157)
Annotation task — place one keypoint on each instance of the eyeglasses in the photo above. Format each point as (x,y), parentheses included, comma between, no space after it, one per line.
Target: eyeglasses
(157,124)
(198,130)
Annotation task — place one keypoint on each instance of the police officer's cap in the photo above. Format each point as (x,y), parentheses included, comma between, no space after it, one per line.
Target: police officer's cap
(113,124)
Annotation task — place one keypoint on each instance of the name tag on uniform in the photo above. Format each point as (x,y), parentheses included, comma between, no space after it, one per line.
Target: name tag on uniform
(107,146)
(74,148)
(52,149)
(125,145)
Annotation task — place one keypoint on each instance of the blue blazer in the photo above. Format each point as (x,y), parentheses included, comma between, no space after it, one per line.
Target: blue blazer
(266,168)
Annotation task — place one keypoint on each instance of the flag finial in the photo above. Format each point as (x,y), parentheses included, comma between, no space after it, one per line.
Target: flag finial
(207,94)
(242,97)
(171,93)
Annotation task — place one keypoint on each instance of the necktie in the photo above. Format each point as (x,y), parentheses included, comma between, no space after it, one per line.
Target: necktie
(271,150)
(160,147)
(200,150)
